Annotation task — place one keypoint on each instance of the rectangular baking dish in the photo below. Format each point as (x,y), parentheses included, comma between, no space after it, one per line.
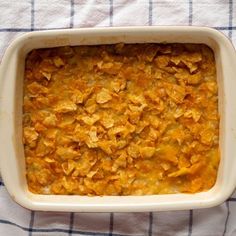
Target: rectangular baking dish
(12,161)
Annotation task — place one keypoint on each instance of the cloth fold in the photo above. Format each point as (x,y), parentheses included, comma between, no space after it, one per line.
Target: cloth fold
(18,17)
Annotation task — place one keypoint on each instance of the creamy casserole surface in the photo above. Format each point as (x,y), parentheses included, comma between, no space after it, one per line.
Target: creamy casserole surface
(125,119)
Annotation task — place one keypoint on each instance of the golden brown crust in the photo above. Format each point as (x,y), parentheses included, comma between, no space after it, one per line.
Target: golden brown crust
(121,119)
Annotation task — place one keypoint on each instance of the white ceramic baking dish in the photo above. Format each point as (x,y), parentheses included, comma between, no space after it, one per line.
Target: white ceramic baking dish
(12,161)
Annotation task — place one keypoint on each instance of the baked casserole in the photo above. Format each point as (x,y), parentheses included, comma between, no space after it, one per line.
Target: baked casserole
(121,119)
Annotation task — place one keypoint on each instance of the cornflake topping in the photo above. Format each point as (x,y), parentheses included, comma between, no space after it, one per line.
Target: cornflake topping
(125,119)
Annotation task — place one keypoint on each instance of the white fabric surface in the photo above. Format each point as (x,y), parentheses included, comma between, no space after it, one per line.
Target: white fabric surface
(18,17)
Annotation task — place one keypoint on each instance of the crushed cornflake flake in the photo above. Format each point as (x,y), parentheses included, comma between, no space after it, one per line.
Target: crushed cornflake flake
(103,96)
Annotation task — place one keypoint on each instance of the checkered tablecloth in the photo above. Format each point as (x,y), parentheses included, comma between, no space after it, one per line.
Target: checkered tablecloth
(20,16)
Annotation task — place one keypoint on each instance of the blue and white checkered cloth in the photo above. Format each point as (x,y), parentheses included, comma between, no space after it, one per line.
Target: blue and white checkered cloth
(18,17)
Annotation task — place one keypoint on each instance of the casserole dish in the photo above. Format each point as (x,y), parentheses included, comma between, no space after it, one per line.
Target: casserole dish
(12,161)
